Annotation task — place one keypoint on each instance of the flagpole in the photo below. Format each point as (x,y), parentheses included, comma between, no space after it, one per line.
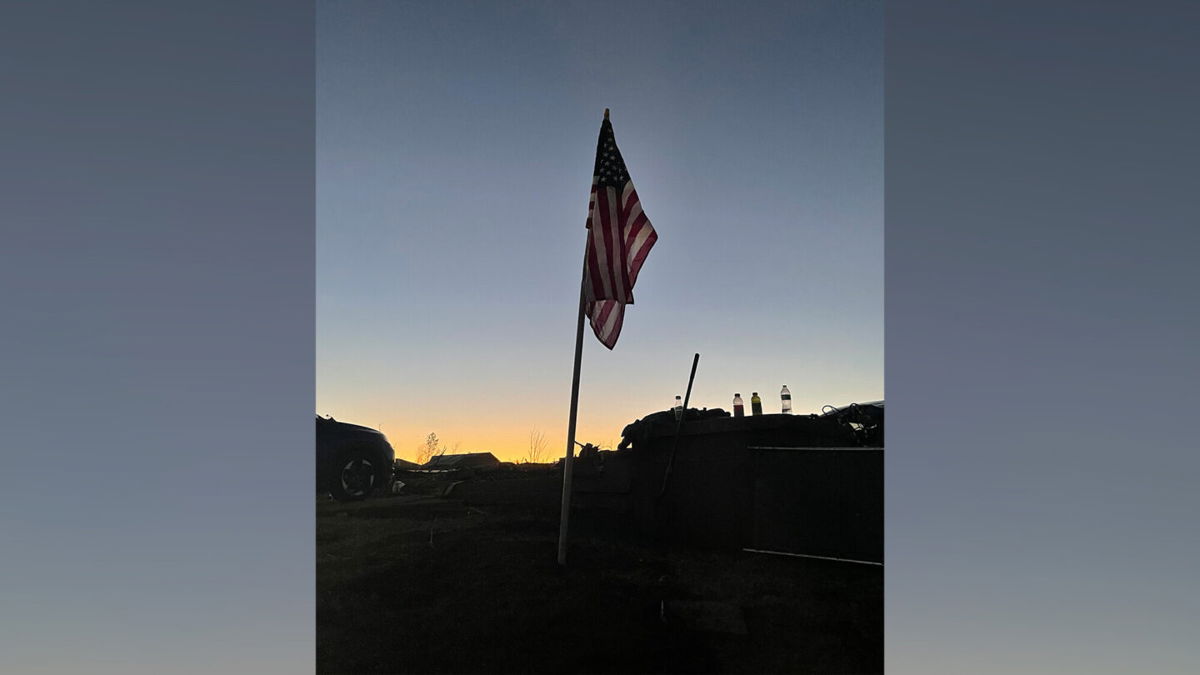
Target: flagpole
(568,458)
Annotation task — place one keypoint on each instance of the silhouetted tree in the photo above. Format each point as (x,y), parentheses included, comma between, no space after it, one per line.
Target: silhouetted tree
(537,448)
(429,449)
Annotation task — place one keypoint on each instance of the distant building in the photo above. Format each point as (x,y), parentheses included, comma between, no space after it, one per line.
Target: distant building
(405,465)
(478,461)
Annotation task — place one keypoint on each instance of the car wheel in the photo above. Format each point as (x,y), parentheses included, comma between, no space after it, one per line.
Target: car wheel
(356,477)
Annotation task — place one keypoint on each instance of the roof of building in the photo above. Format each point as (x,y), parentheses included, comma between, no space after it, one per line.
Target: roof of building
(468,460)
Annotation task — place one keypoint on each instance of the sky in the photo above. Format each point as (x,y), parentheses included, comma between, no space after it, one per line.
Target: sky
(455,145)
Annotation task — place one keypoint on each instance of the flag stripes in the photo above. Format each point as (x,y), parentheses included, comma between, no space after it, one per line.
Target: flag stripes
(620,237)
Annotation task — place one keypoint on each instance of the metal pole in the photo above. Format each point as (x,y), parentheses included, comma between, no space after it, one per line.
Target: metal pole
(678,427)
(691,378)
(568,458)
(817,557)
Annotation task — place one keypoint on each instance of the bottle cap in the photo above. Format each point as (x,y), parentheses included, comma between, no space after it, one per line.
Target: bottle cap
(737,394)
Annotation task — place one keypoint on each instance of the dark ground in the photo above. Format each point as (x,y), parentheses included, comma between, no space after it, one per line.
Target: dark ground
(417,584)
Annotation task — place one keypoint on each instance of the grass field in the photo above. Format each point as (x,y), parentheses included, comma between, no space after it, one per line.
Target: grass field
(418,584)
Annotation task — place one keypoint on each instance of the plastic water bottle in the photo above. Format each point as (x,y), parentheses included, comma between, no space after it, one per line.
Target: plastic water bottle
(739,410)
(787,400)
(755,403)
(678,408)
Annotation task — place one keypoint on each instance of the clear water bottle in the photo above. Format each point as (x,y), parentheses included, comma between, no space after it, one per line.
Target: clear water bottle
(678,408)
(739,410)
(786,396)
(755,403)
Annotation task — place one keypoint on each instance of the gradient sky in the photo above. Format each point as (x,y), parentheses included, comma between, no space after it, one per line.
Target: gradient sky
(455,144)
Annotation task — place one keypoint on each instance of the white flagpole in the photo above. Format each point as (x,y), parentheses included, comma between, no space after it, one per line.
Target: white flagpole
(568,458)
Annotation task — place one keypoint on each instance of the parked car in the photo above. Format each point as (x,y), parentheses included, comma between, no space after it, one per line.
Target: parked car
(352,461)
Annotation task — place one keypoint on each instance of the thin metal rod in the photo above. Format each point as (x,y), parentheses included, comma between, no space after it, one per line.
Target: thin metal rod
(691,378)
(678,426)
(568,458)
(817,557)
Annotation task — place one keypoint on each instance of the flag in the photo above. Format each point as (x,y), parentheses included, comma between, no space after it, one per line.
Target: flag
(619,239)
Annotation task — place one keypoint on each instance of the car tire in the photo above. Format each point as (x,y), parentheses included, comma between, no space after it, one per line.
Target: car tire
(356,476)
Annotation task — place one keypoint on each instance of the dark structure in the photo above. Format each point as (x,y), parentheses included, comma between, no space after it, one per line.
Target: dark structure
(405,465)
(475,461)
(790,483)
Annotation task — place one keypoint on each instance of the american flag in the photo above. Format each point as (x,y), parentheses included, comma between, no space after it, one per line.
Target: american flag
(619,239)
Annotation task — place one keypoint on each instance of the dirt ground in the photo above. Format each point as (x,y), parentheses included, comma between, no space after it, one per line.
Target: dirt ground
(420,584)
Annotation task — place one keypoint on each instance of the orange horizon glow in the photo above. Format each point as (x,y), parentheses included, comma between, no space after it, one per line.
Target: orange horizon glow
(449,246)
(509,439)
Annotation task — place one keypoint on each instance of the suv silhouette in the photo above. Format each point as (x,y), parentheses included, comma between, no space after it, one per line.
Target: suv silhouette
(352,461)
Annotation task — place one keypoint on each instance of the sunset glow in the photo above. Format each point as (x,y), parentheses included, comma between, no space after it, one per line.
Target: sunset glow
(452,187)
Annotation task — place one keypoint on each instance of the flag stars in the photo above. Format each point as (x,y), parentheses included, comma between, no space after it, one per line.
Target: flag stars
(610,167)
